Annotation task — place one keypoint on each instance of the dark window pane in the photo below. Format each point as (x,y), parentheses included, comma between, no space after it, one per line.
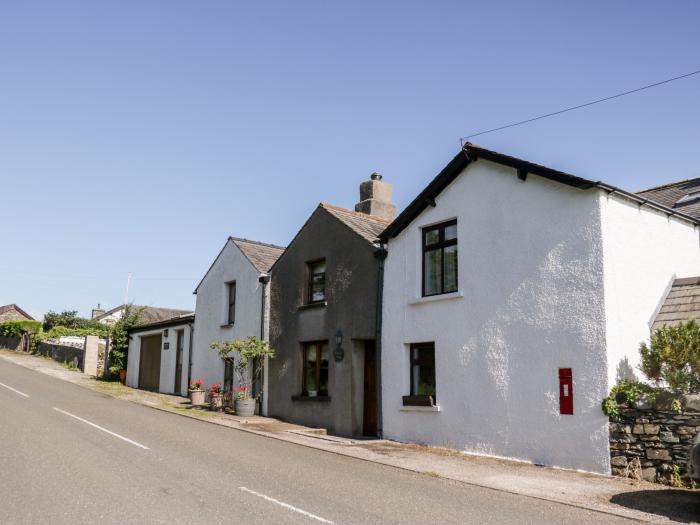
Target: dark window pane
(433,272)
(432,236)
(323,372)
(231,303)
(423,370)
(450,256)
(317,281)
(450,232)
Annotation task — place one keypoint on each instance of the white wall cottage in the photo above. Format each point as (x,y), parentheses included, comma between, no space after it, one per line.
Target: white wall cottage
(546,273)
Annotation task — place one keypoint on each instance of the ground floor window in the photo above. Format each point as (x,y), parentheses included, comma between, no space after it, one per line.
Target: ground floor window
(315,373)
(423,370)
(228,376)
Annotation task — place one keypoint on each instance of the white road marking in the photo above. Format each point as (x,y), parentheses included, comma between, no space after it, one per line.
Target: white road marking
(102,429)
(286,505)
(14,390)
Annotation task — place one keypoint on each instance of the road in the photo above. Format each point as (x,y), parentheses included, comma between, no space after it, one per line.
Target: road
(71,455)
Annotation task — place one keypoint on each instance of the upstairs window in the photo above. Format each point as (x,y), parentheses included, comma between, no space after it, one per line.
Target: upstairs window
(231,310)
(440,258)
(316,281)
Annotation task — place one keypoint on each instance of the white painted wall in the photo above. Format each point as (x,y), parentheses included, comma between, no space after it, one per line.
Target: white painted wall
(211,311)
(530,302)
(644,251)
(168,358)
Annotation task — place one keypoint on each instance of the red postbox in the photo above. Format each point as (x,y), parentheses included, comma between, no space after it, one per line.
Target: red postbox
(566,391)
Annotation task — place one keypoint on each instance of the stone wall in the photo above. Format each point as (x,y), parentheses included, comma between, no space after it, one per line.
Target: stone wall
(11,343)
(63,353)
(647,444)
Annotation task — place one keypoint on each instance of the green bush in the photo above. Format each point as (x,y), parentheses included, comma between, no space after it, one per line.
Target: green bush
(118,355)
(68,319)
(672,357)
(18,328)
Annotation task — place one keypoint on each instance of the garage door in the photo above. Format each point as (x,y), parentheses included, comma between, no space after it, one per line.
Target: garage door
(149,364)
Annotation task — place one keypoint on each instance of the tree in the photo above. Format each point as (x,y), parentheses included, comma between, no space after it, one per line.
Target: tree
(673,357)
(119,336)
(244,354)
(68,319)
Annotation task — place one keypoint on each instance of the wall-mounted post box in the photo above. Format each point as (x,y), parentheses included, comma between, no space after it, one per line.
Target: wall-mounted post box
(566,391)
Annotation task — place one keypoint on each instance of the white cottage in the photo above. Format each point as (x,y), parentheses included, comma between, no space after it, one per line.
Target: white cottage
(512,294)
(232,303)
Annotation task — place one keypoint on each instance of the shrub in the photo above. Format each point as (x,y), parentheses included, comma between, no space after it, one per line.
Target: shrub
(242,353)
(18,328)
(68,319)
(672,357)
(118,355)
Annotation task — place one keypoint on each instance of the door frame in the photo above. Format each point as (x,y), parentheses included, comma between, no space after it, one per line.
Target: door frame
(370,405)
(179,354)
(141,354)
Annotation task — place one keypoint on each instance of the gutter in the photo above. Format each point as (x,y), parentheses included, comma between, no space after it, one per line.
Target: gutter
(380,254)
(264,279)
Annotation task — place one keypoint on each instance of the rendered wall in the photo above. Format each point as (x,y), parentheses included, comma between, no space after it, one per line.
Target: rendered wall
(530,301)
(644,251)
(210,318)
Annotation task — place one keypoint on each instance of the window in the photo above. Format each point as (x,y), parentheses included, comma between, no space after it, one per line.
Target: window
(440,259)
(423,369)
(315,378)
(231,310)
(228,376)
(317,281)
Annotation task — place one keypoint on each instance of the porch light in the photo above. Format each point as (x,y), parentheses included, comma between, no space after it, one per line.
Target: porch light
(339,338)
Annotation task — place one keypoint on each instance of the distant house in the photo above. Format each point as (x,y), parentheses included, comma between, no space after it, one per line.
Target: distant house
(159,355)
(12,312)
(512,294)
(324,317)
(148,315)
(232,303)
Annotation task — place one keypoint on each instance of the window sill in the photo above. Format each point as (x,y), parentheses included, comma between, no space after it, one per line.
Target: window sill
(434,408)
(309,306)
(227,325)
(314,399)
(440,297)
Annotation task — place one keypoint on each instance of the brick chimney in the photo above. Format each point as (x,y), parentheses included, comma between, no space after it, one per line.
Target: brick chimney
(375,198)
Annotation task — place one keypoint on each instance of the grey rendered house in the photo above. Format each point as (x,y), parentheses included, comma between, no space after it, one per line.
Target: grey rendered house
(325,288)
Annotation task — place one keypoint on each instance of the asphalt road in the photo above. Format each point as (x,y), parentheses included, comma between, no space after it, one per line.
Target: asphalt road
(139,465)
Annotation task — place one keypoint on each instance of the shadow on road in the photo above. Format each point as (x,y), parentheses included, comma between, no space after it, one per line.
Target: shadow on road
(679,505)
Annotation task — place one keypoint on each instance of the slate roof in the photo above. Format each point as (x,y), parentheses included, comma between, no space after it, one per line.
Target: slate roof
(10,307)
(670,194)
(681,304)
(366,226)
(260,254)
(149,314)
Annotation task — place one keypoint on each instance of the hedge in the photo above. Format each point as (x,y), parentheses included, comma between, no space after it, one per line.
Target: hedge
(18,328)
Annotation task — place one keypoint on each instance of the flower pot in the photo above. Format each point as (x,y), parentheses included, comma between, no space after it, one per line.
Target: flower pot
(217,402)
(122,376)
(245,407)
(197,397)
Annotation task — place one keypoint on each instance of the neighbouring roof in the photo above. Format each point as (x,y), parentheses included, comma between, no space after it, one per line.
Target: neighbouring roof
(175,321)
(471,152)
(369,227)
(260,254)
(10,307)
(683,196)
(681,304)
(149,314)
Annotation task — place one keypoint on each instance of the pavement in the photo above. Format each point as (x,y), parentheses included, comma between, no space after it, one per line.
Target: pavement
(81,455)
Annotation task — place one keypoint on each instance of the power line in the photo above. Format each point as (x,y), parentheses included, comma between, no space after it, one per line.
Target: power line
(636,90)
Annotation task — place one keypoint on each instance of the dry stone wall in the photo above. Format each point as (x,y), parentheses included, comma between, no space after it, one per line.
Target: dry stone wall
(652,444)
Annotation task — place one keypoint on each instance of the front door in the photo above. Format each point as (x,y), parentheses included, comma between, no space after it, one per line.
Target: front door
(149,363)
(178,361)
(369,423)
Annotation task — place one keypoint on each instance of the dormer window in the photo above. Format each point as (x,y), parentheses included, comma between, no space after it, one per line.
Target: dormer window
(689,197)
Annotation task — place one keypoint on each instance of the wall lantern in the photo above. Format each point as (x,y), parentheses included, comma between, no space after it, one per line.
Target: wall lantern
(339,353)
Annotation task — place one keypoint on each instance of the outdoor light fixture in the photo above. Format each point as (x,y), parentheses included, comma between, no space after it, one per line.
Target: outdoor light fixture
(339,353)
(165,333)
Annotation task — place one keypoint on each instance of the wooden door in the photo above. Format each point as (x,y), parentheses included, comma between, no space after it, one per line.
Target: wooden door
(149,363)
(369,423)
(178,361)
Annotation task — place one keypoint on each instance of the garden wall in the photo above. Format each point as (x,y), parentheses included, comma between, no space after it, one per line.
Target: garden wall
(652,444)
(11,343)
(63,353)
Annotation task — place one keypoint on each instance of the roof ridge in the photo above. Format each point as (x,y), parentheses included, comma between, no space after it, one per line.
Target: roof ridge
(259,243)
(668,184)
(355,213)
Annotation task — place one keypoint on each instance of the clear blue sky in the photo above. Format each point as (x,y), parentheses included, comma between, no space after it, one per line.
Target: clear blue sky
(135,136)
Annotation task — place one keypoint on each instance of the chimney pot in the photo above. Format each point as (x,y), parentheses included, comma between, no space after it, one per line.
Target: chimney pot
(376,176)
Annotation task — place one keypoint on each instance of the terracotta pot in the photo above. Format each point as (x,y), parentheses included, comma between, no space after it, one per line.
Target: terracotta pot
(245,407)
(122,376)
(217,402)
(197,397)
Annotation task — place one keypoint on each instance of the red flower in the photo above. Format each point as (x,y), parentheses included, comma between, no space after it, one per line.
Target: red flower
(244,388)
(235,389)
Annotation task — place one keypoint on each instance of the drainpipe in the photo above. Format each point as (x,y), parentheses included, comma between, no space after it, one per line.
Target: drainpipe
(380,254)
(264,279)
(189,356)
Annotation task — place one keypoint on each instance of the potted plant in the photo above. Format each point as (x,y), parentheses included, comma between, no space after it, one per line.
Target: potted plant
(248,359)
(197,393)
(216,397)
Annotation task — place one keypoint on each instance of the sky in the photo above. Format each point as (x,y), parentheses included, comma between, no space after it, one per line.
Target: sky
(136,136)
